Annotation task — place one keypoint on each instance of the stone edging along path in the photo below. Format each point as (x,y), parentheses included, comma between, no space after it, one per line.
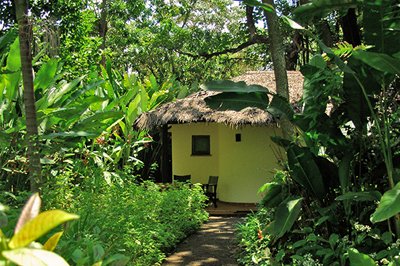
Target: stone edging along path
(213,244)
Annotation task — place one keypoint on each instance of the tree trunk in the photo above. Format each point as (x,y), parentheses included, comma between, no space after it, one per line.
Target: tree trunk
(278,60)
(351,30)
(25,33)
(103,31)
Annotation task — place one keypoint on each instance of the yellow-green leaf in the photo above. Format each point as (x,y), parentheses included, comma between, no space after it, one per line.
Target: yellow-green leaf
(52,242)
(39,226)
(34,257)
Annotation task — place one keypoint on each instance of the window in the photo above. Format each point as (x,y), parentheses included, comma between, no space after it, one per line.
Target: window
(200,145)
(238,137)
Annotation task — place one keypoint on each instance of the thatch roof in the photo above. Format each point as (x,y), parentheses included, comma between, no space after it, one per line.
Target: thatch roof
(194,109)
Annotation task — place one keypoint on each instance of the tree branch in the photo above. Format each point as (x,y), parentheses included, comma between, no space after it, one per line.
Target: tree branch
(256,39)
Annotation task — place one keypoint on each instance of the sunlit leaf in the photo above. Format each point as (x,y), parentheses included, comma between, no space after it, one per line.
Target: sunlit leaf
(34,257)
(293,24)
(39,226)
(52,242)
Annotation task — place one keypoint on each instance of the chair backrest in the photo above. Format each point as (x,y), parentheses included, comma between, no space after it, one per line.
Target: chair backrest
(182,178)
(212,180)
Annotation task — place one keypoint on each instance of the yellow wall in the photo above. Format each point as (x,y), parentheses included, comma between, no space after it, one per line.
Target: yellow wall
(242,167)
(183,163)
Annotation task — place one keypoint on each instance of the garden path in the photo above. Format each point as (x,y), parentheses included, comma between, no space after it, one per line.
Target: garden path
(213,245)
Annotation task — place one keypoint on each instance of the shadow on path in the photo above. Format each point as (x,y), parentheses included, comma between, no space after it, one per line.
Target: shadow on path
(212,245)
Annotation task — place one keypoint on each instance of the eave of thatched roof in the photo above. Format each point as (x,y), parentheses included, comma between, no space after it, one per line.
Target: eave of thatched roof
(194,108)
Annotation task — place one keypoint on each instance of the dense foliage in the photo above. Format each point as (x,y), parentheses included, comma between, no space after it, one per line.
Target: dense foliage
(324,208)
(123,221)
(91,157)
(99,64)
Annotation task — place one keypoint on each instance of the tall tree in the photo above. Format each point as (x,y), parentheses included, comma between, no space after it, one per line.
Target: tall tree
(277,53)
(25,34)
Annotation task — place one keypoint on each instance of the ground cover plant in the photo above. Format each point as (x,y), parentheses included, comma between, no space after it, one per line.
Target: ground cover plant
(125,221)
(121,223)
(336,203)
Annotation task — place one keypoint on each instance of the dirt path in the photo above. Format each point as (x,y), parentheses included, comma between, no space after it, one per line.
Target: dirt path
(212,245)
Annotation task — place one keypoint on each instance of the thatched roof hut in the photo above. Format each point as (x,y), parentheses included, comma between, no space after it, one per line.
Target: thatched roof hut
(194,109)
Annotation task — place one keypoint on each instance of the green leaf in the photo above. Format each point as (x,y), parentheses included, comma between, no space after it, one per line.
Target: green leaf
(8,38)
(14,58)
(30,211)
(52,242)
(97,121)
(39,226)
(379,61)
(231,86)
(46,74)
(319,8)
(380,26)
(273,194)
(5,139)
(359,259)
(98,252)
(144,99)
(255,3)
(81,92)
(237,101)
(389,205)
(344,171)
(387,237)
(280,106)
(318,61)
(360,196)
(55,95)
(286,215)
(293,24)
(333,240)
(305,171)
(117,259)
(70,134)
(339,62)
(34,257)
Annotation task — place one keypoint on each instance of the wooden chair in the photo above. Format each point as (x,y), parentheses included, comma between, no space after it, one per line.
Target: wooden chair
(182,178)
(210,189)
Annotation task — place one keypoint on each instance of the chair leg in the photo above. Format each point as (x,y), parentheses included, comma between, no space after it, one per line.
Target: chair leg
(214,198)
